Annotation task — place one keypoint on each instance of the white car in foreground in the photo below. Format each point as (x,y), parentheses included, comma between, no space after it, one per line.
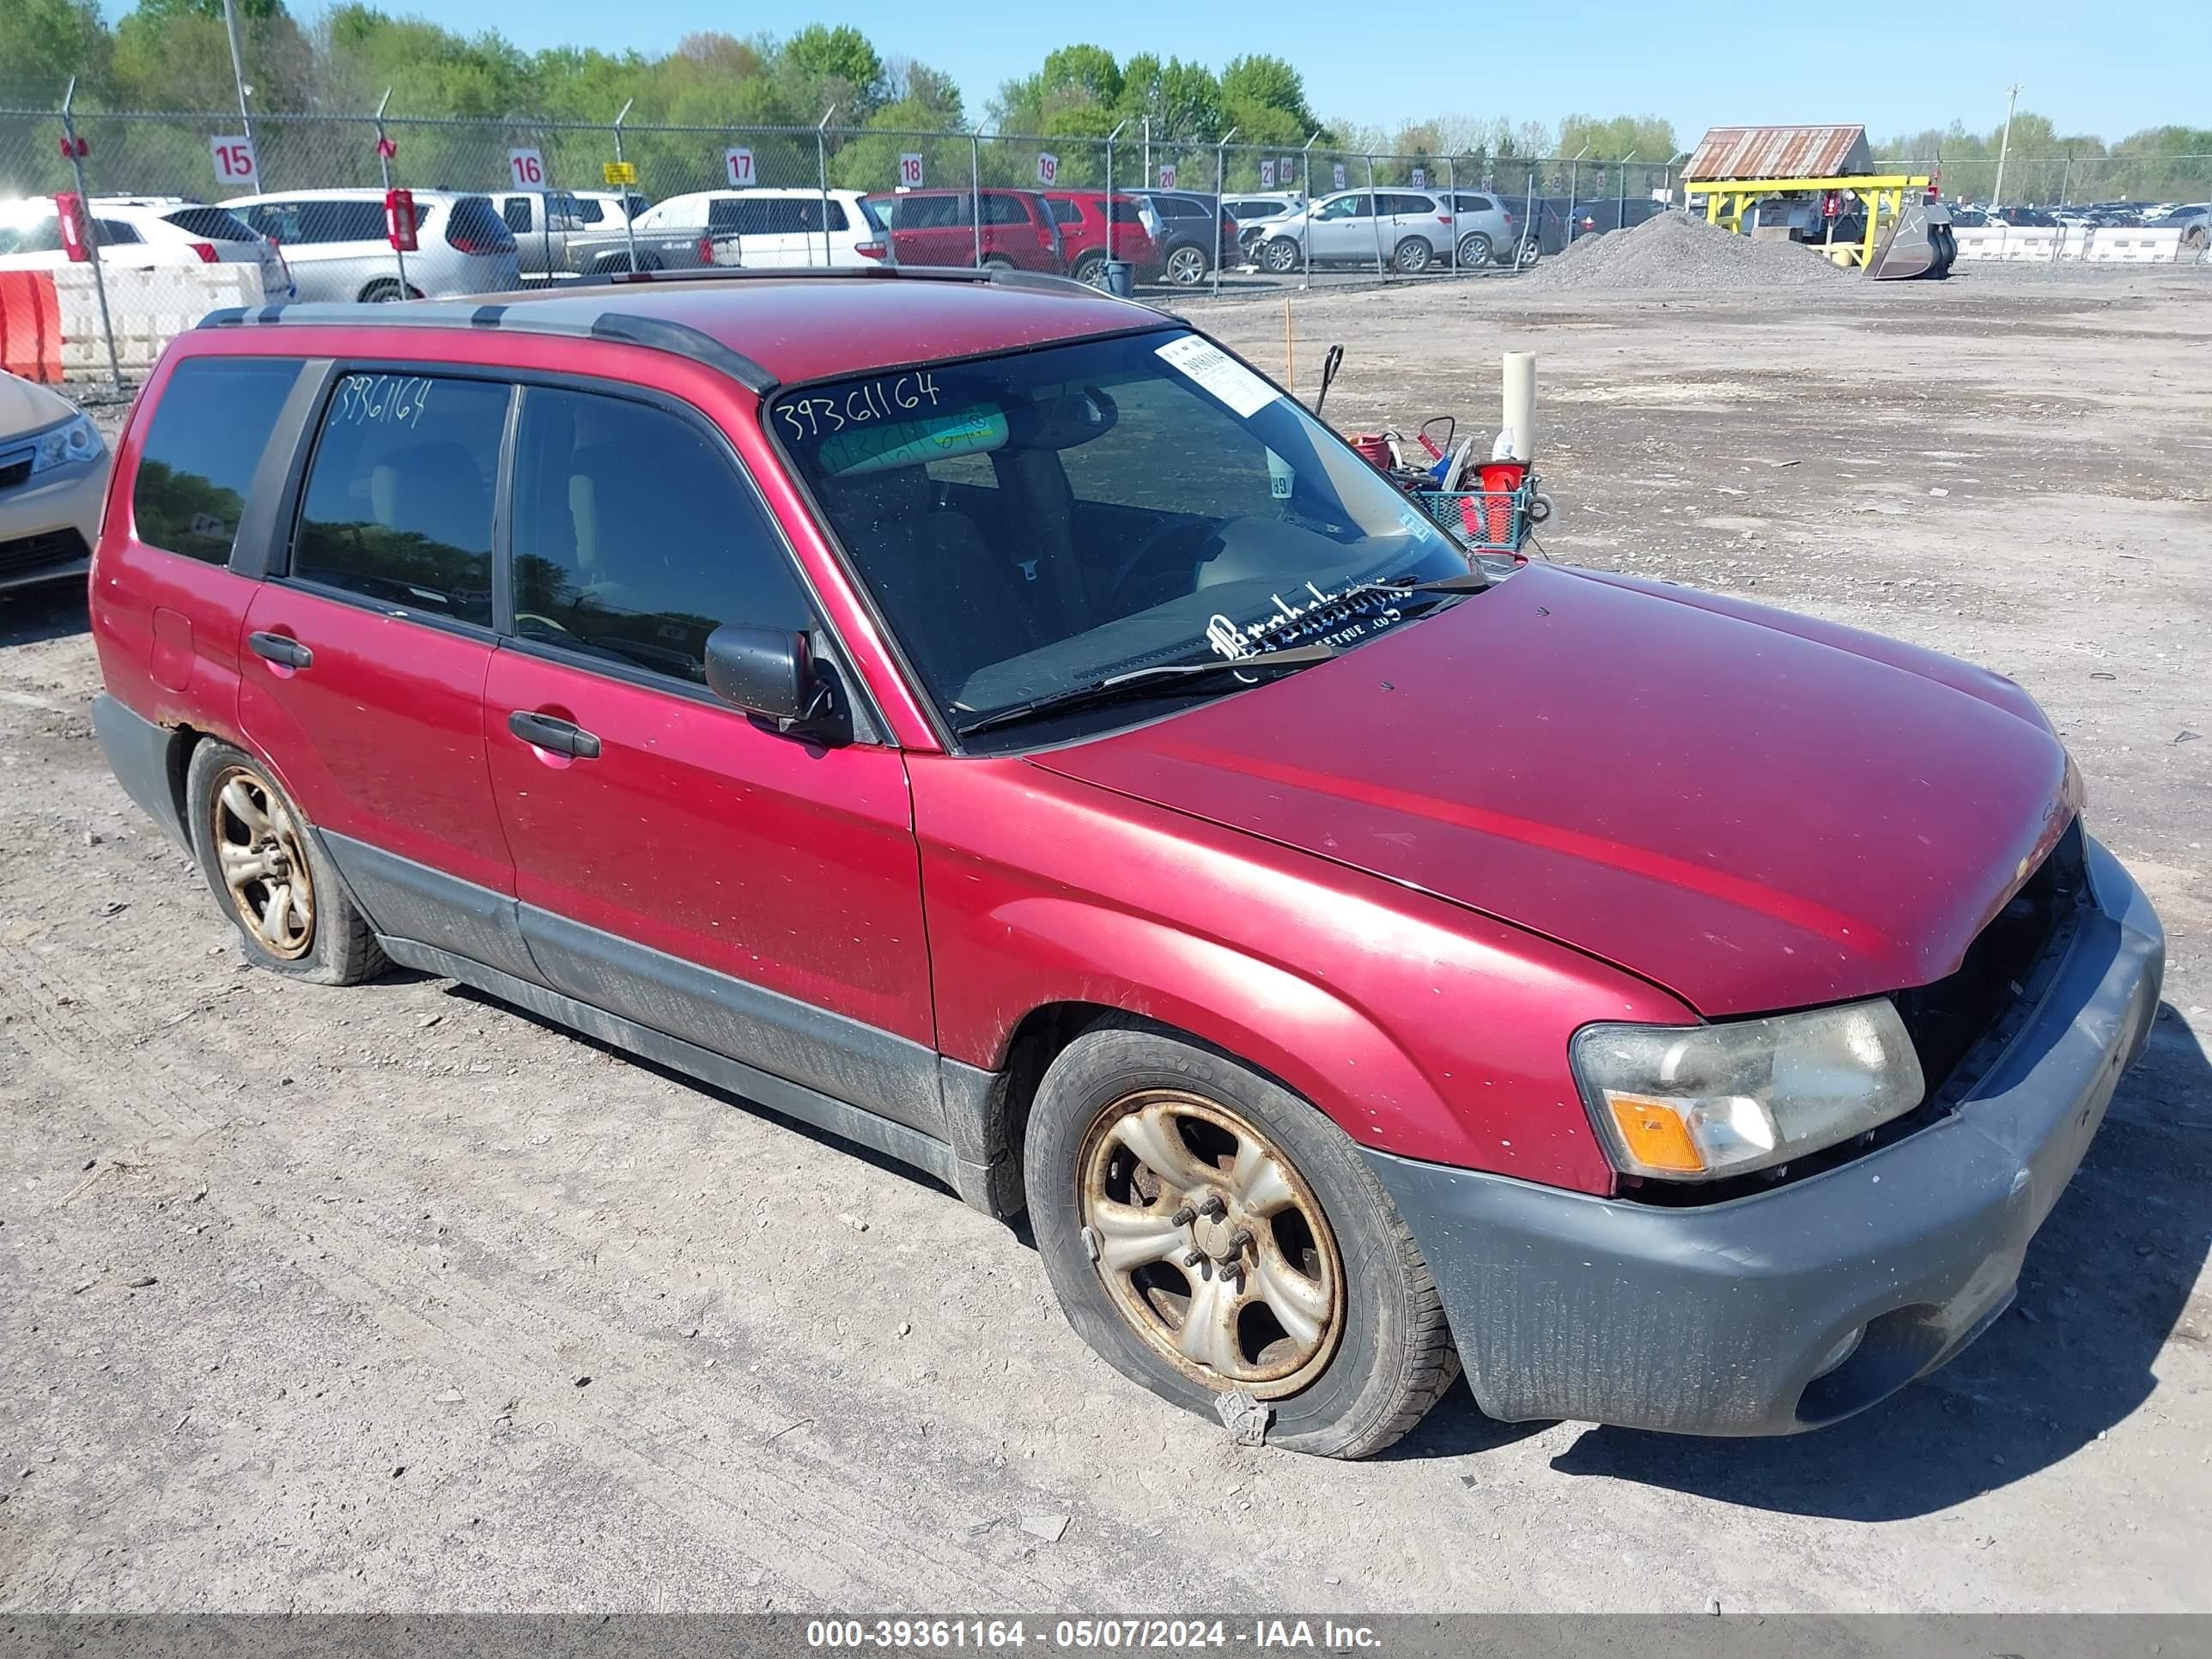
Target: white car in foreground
(142,233)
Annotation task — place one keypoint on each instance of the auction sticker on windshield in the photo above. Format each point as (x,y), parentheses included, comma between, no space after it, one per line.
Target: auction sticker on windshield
(1220,373)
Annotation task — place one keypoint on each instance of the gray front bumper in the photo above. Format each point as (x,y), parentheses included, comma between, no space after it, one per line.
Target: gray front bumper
(1715,1320)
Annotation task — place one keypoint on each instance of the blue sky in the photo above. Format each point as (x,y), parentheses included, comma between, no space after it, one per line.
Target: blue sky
(1894,65)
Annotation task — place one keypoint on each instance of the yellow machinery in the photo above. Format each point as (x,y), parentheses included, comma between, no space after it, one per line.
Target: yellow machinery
(1904,235)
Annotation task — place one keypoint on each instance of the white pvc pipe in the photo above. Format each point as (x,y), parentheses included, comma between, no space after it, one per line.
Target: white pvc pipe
(1520,403)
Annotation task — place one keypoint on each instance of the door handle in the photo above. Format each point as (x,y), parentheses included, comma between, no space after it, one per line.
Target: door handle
(280,648)
(553,734)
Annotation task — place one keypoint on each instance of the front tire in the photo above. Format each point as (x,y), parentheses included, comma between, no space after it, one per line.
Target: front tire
(1473,251)
(1279,254)
(270,876)
(1241,1244)
(1412,257)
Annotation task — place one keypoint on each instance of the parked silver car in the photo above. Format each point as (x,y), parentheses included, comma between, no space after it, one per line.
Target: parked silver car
(336,244)
(1405,230)
(1260,212)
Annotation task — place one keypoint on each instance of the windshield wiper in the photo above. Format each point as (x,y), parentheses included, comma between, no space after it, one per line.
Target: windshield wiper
(1465,581)
(1138,680)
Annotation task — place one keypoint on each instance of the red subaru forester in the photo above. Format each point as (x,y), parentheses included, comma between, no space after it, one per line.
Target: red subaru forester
(988,721)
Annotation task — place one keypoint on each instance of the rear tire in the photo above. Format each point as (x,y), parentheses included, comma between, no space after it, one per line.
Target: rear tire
(1413,256)
(1090,270)
(1363,1352)
(269,873)
(1186,265)
(995,262)
(388,292)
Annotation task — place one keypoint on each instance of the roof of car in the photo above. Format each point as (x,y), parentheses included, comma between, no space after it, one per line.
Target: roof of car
(774,329)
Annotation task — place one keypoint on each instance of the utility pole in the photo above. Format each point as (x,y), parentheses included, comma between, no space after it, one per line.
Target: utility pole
(237,64)
(2012,97)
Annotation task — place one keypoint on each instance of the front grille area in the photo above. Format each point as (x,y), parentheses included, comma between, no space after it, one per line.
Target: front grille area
(13,471)
(36,553)
(1947,1020)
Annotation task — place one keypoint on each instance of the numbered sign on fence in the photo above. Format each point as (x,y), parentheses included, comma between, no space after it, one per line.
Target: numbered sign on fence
(1167,178)
(234,166)
(738,164)
(1287,171)
(1339,171)
(1266,175)
(527,168)
(1048,168)
(1420,178)
(909,174)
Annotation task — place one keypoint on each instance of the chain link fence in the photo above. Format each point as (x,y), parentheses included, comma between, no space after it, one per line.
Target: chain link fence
(579,197)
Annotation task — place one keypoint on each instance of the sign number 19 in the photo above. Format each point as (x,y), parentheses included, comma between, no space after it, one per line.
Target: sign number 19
(528,168)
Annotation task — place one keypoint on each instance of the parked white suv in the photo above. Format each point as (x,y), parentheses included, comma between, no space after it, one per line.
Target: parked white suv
(776,227)
(139,233)
(335,243)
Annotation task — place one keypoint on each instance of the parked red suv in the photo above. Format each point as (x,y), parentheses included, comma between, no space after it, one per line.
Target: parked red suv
(1065,766)
(1081,216)
(940,228)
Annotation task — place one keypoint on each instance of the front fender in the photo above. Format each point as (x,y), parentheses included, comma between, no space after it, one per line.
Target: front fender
(1419,1028)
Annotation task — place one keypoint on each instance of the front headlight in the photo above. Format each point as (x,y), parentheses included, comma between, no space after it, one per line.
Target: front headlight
(1695,1102)
(74,440)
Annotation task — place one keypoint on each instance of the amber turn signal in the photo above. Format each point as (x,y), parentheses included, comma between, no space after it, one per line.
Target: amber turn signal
(1652,1134)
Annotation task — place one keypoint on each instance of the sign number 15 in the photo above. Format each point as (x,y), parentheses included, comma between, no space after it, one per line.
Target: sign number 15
(233,161)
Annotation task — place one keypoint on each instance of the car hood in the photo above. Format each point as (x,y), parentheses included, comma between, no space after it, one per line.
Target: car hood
(1755,810)
(25,407)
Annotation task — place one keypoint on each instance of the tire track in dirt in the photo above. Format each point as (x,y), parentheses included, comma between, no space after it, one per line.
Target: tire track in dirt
(841,1529)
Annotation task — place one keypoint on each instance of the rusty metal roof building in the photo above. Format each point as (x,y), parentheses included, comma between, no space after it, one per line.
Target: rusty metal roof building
(1780,153)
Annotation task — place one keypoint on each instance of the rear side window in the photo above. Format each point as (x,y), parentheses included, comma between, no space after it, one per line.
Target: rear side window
(471,226)
(117,232)
(1006,211)
(1064,212)
(398,502)
(206,437)
(210,224)
(516,209)
(928,212)
(635,537)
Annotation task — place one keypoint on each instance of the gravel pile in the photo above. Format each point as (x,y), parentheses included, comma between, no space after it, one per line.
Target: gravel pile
(1674,251)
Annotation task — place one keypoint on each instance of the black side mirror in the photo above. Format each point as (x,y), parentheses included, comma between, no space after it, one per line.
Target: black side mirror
(765,671)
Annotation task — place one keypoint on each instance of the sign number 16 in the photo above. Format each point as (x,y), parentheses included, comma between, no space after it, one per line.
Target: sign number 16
(528,168)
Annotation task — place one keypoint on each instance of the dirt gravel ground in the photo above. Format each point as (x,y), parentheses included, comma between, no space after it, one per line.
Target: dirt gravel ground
(394,1298)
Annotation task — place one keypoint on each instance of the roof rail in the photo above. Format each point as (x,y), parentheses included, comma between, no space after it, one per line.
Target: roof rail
(655,333)
(997,276)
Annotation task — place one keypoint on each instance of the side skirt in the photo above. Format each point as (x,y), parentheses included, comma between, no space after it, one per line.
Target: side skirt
(880,1134)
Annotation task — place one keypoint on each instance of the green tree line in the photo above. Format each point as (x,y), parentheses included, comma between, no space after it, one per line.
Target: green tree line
(170,55)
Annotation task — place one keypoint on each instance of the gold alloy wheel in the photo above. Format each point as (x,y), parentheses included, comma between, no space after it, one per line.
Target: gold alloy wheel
(1210,1243)
(263,863)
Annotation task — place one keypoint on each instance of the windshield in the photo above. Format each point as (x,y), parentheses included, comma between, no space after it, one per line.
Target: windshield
(1035,523)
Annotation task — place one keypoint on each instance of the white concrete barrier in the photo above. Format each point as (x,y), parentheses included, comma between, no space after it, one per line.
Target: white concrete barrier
(149,307)
(2091,244)
(2115,245)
